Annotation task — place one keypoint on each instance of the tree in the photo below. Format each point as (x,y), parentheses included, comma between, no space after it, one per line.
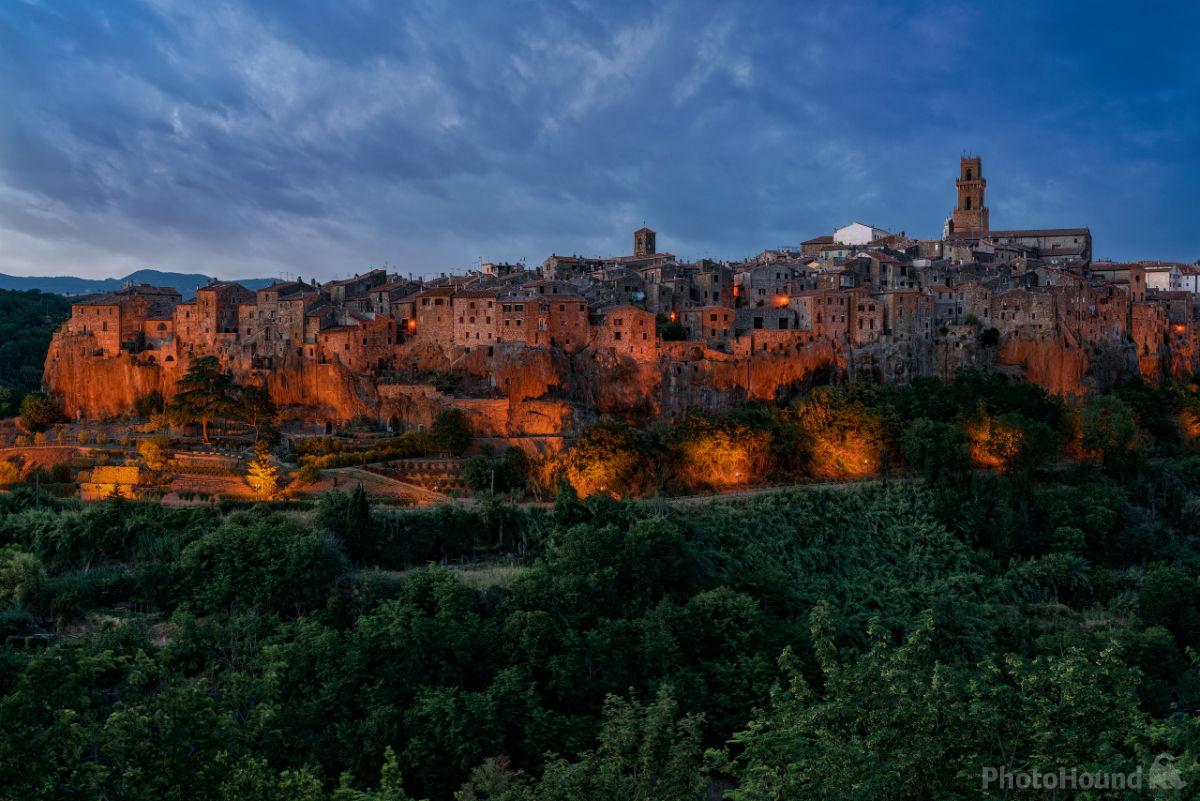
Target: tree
(450,432)
(938,451)
(205,392)
(269,562)
(1107,427)
(358,526)
(261,474)
(1168,598)
(155,452)
(37,412)
(149,404)
(8,401)
(609,457)
(307,475)
(485,473)
(21,575)
(255,407)
(9,473)
(895,722)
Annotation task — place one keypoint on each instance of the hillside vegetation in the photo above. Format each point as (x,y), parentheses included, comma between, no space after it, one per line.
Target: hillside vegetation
(883,642)
(27,321)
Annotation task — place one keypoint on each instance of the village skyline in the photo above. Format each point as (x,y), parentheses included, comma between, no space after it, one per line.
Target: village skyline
(354,137)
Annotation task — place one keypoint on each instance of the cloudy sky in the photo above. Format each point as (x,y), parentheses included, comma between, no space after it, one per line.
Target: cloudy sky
(321,137)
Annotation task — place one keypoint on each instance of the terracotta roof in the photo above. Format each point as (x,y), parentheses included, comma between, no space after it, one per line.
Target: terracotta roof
(1032,232)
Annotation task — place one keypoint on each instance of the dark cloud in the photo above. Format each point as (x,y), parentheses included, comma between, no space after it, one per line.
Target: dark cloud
(319,137)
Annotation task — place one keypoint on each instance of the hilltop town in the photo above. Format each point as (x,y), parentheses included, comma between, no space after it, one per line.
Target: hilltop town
(537,353)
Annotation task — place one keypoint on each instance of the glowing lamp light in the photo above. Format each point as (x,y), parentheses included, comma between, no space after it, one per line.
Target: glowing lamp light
(672,316)
(412,325)
(781,300)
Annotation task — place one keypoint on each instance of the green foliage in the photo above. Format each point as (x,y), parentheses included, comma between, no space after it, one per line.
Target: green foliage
(408,445)
(485,473)
(38,412)
(149,404)
(22,575)
(307,475)
(255,407)
(268,563)
(1108,427)
(205,392)
(895,722)
(670,330)
(888,640)
(27,321)
(938,451)
(450,432)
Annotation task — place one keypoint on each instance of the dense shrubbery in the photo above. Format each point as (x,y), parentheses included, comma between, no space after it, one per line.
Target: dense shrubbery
(408,445)
(889,641)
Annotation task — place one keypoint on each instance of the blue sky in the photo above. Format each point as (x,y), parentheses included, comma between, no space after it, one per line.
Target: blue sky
(246,138)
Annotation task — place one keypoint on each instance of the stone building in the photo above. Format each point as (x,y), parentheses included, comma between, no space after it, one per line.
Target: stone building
(475,317)
(627,330)
(711,324)
(117,320)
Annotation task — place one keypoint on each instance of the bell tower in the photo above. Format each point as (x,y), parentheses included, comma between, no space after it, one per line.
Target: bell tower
(643,242)
(970,215)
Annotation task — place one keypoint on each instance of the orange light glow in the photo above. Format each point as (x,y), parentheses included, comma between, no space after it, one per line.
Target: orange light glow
(412,325)
(672,316)
(993,445)
(781,300)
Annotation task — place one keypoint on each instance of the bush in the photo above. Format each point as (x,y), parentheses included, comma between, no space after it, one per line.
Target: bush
(37,412)
(149,404)
(22,575)
(450,432)
(9,473)
(938,451)
(307,475)
(485,473)
(272,563)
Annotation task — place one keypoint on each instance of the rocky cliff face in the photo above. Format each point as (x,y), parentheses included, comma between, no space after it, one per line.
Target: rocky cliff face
(95,387)
(516,391)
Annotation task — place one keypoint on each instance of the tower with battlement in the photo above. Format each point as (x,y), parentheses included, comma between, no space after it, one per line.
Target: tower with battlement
(970,215)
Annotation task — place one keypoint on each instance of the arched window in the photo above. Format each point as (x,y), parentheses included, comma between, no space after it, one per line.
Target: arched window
(969,176)
(968,206)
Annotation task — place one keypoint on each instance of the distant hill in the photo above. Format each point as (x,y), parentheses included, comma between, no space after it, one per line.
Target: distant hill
(186,283)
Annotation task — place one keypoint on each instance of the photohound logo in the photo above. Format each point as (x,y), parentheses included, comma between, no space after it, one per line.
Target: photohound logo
(1163,775)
